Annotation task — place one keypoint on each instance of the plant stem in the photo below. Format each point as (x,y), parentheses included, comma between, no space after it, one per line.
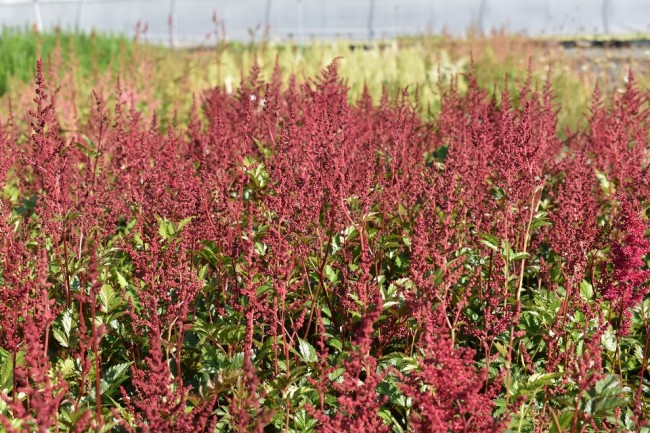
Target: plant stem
(95,338)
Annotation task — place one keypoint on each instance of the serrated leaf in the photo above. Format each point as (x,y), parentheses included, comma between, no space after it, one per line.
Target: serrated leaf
(331,274)
(183,223)
(114,376)
(519,256)
(506,250)
(489,240)
(609,340)
(501,349)
(336,374)
(106,296)
(539,220)
(260,248)
(307,351)
(60,337)
(586,290)
(335,343)
(111,379)
(370,217)
(608,384)
(66,322)
(638,353)
(236,362)
(541,379)
(65,367)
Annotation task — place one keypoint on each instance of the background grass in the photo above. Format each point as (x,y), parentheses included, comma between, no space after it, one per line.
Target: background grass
(168,79)
(19,50)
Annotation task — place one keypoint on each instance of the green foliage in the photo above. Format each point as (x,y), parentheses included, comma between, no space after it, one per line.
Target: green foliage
(94,52)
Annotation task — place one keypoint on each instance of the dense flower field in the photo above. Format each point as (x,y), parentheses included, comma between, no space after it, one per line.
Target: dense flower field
(294,262)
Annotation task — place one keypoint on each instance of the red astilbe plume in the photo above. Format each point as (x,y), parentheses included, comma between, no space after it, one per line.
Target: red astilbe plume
(628,285)
(617,138)
(15,293)
(48,159)
(167,284)
(25,292)
(521,149)
(43,395)
(358,401)
(245,408)
(446,391)
(25,301)
(7,143)
(574,231)
(586,369)
(160,402)
(464,126)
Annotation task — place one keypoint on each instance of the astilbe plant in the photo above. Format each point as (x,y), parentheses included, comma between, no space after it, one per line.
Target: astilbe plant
(293,261)
(627,286)
(445,389)
(617,138)
(160,402)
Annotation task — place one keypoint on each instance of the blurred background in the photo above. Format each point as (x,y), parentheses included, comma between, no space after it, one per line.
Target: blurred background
(384,46)
(194,22)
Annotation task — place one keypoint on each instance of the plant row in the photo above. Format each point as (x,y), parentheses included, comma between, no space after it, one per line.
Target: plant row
(294,262)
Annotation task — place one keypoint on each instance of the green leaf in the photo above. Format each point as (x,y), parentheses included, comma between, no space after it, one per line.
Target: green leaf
(114,376)
(608,385)
(605,184)
(266,152)
(638,353)
(501,349)
(541,379)
(489,240)
(336,374)
(111,379)
(163,228)
(335,343)
(539,220)
(303,421)
(7,370)
(183,223)
(66,322)
(519,256)
(506,250)
(107,297)
(561,423)
(307,351)
(609,340)
(260,248)
(586,290)
(388,418)
(237,361)
(65,367)
(60,337)
(331,274)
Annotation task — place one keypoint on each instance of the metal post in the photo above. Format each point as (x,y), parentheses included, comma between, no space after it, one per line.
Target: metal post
(80,15)
(371,20)
(37,16)
(172,23)
(605,12)
(267,16)
(301,30)
(481,16)
(547,17)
